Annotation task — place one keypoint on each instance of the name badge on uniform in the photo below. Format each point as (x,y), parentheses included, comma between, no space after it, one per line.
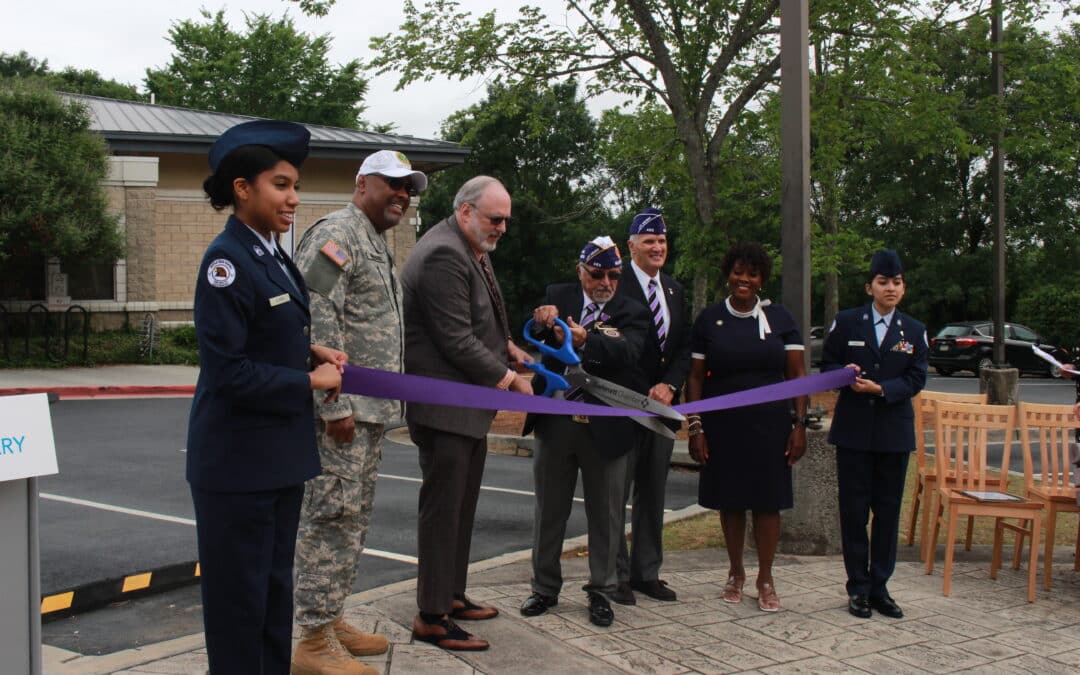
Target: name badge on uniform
(856,343)
(279,299)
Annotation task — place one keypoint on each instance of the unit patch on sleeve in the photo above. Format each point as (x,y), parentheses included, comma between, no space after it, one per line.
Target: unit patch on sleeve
(221,273)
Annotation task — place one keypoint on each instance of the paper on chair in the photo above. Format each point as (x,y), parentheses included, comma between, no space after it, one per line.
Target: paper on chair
(990,496)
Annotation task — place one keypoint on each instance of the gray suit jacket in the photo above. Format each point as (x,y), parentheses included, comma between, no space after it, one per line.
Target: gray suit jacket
(452,330)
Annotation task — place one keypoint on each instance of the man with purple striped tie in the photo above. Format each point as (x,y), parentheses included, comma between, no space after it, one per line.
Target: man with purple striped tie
(665,362)
(608,332)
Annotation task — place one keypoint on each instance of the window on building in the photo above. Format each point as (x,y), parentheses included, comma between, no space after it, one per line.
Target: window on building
(23,278)
(90,281)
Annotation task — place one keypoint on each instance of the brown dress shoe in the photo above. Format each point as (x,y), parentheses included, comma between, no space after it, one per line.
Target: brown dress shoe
(359,643)
(445,634)
(319,652)
(467,610)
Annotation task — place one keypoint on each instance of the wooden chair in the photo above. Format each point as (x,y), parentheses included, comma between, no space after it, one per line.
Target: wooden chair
(960,440)
(1051,485)
(925,403)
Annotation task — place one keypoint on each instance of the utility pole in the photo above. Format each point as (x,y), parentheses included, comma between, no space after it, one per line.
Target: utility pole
(997,179)
(795,161)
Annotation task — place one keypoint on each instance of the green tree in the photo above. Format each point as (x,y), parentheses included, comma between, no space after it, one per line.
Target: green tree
(269,70)
(70,80)
(51,169)
(541,143)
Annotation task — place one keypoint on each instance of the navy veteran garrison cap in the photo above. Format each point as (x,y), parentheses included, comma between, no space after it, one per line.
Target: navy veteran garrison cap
(287,139)
(886,263)
(601,253)
(649,221)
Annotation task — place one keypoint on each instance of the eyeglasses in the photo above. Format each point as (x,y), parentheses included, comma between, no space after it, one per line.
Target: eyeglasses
(398,184)
(495,220)
(612,275)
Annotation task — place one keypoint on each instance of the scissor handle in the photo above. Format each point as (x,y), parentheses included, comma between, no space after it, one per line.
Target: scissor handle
(565,353)
(553,381)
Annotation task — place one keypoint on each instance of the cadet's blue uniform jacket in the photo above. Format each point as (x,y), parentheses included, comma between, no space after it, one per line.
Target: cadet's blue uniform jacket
(869,422)
(252,419)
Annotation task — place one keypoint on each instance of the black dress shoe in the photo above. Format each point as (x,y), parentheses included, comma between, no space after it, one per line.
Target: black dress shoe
(655,589)
(623,595)
(600,613)
(886,606)
(538,603)
(859,605)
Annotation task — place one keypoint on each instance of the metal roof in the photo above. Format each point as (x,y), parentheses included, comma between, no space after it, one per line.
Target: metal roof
(132,126)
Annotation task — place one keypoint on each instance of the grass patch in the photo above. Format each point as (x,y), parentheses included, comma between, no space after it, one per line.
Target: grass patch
(174,347)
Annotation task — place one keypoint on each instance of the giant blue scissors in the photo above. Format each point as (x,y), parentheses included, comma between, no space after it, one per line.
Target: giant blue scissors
(605,390)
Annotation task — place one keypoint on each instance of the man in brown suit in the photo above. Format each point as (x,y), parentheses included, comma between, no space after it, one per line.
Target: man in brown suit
(455,329)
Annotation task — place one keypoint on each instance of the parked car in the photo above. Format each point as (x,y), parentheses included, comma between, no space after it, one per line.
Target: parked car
(969,345)
(817,340)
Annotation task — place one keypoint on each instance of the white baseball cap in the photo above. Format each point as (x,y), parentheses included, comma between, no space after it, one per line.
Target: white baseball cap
(392,164)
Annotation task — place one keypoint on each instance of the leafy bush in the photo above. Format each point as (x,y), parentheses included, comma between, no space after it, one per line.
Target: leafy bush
(1053,311)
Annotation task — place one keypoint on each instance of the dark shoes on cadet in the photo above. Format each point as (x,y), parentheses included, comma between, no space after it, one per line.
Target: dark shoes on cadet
(886,606)
(600,613)
(655,589)
(444,633)
(859,605)
(466,610)
(623,594)
(538,603)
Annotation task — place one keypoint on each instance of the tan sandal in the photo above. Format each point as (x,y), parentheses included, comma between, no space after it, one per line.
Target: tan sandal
(733,590)
(768,600)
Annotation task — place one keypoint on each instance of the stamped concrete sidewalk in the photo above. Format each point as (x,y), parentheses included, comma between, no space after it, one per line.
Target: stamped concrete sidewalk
(985,626)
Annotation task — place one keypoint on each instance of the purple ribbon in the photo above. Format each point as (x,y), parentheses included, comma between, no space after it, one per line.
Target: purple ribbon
(419,389)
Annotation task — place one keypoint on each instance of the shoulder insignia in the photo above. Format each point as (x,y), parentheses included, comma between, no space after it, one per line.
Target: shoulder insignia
(221,273)
(334,253)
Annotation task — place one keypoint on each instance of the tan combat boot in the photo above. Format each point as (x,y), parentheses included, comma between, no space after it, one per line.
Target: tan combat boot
(320,653)
(359,643)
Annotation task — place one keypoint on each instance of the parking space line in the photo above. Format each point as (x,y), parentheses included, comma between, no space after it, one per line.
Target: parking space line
(389,555)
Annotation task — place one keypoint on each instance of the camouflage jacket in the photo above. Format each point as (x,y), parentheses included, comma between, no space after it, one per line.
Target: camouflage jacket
(355,304)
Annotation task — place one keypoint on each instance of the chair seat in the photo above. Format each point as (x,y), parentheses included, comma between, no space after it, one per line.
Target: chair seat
(955,497)
(1054,494)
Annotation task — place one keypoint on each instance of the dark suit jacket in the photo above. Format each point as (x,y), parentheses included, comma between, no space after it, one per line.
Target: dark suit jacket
(672,365)
(452,330)
(252,422)
(868,422)
(612,357)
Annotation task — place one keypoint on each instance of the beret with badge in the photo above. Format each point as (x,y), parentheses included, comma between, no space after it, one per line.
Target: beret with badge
(289,140)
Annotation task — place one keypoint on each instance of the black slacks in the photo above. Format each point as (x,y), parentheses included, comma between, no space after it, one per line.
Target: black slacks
(452,466)
(246,545)
(870,482)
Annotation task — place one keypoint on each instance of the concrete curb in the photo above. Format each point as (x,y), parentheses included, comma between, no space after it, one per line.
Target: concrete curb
(70,393)
(107,591)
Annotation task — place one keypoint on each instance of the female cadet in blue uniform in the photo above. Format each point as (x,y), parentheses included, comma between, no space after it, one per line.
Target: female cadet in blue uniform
(873,429)
(251,442)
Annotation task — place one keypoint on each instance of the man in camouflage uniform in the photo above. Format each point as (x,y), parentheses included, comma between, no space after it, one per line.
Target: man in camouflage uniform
(355,307)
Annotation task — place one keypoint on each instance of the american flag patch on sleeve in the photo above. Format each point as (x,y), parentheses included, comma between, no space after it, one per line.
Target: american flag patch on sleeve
(334,252)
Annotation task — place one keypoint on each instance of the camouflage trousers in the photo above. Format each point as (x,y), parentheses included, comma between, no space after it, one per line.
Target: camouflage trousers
(334,523)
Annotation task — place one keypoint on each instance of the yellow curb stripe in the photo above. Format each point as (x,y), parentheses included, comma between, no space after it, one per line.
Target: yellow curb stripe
(54,603)
(136,582)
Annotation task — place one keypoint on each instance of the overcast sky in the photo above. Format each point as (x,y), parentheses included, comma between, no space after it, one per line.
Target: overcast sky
(122,39)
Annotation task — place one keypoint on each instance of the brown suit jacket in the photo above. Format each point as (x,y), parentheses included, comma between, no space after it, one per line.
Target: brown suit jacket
(452,330)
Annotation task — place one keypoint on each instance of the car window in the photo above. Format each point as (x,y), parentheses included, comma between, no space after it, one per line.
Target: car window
(986,329)
(1025,334)
(954,331)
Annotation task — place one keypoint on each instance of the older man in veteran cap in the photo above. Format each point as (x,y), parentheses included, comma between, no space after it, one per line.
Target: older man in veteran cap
(609,332)
(665,361)
(873,429)
(355,307)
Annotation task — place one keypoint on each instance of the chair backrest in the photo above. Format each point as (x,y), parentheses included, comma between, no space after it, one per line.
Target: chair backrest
(1053,426)
(961,438)
(925,404)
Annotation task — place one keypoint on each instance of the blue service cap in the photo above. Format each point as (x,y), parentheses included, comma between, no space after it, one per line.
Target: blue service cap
(887,263)
(649,221)
(601,253)
(287,139)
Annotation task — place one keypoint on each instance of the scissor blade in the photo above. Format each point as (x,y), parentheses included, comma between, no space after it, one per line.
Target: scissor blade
(618,395)
(655,425)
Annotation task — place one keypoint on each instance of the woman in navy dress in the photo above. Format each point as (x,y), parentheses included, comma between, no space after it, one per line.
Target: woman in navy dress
(738,344)
(251,435)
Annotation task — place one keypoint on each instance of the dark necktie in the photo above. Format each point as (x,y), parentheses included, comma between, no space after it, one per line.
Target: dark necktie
(589,314)
(496,297)
(285,268)
(881,338)
(657,313)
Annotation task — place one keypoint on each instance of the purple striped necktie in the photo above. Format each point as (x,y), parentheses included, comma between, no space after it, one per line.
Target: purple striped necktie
(657,313)
(588,316)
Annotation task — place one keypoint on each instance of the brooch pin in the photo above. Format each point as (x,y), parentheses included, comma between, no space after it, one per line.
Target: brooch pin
(258,250)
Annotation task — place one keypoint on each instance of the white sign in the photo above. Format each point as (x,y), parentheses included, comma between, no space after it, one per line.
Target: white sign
(26,437)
